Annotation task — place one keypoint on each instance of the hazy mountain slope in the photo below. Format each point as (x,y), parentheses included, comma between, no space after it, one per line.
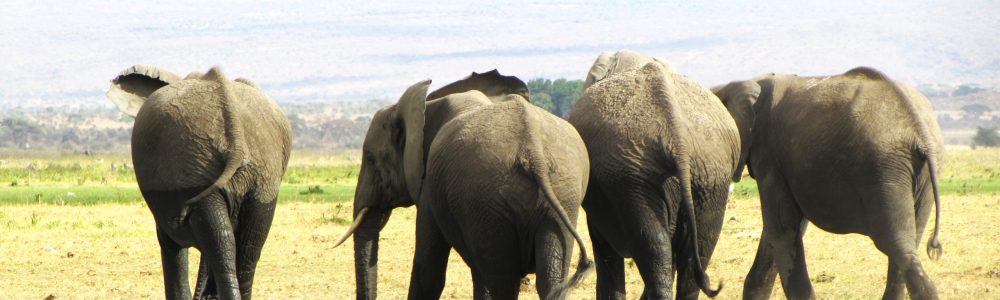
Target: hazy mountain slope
(303,51)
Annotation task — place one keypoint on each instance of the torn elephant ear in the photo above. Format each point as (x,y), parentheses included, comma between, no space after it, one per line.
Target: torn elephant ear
(130,89)
(492,84)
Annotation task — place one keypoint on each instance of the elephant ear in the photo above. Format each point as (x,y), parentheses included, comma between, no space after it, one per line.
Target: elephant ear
(130,89)
(492,84)
(667,66)
(739,97)
(410,109)
(600,69)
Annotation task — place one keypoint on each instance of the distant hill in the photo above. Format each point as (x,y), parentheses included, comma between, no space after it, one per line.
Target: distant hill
(306,51)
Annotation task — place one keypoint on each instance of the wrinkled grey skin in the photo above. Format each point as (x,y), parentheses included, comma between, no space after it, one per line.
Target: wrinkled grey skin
(852,153)
(209,155)
(662,152)
(500,182)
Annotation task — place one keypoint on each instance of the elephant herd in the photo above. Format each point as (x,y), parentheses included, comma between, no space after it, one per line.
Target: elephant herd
(647,152)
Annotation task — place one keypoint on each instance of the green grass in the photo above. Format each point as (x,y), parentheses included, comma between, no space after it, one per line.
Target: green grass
(331,177)
(88,195)
(88,180)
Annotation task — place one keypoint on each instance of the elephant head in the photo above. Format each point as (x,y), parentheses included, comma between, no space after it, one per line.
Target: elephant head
(610,63)
(739,97)
(391,176)
(495,86)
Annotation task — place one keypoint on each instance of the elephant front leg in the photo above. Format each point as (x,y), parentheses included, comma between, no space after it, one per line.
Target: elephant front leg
(430,259)
(175,267)
(214,233)
(610,267)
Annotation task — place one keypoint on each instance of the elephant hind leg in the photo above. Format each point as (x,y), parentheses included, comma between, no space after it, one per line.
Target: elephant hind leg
(760,280)
(784,226)
(214,234)
(895,284)
(503,285)
(896,231)
(252,229)
(610,266)
(175,267)
(205,284)
(711,213)
(553,251)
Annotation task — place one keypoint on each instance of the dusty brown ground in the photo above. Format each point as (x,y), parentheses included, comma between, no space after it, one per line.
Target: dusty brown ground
(109,251)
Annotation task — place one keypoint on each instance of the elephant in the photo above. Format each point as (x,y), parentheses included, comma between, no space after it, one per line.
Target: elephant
(497,178)
(209,155)
(662,153)
(851,153)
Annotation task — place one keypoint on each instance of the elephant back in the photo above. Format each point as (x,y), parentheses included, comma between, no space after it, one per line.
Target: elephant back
(629,113)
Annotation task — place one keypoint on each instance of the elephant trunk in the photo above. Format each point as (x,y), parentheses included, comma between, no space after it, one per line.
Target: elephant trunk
(744,152)
(366,255)
(369,219)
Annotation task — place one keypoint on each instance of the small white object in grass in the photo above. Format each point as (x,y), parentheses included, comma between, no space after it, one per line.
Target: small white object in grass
(71,194)
(731,187)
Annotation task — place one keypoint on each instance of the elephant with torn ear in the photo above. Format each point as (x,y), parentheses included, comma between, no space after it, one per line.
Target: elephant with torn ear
(493,176)
(209,155)
(851,153)
(662,153)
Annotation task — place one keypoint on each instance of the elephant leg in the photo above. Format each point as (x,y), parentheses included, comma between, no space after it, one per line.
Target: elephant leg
(895,285)
(610,266)
(495,287)
(175,267)
(652,250)
(251,233)
(553,250)
(711,214)
(894,232)
(784,226)
(213,231)
(497,274)
(655,263)
(430,259)
(760,281)
(205,285)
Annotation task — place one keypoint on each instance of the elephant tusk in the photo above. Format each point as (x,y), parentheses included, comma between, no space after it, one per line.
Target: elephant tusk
(354,226)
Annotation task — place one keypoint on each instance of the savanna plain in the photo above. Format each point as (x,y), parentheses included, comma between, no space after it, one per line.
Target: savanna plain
(75,227)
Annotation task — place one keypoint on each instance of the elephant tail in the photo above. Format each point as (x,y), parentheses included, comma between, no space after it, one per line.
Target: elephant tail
(539,167)
(677,146)
(236,156)
(934,248)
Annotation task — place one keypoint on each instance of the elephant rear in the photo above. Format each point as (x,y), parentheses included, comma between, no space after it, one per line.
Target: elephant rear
(209,154)
(662,150)
(179,138)
(512,158)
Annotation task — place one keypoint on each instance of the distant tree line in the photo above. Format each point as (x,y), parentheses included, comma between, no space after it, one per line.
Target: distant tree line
(986,137)
(21,132)
(556,96)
